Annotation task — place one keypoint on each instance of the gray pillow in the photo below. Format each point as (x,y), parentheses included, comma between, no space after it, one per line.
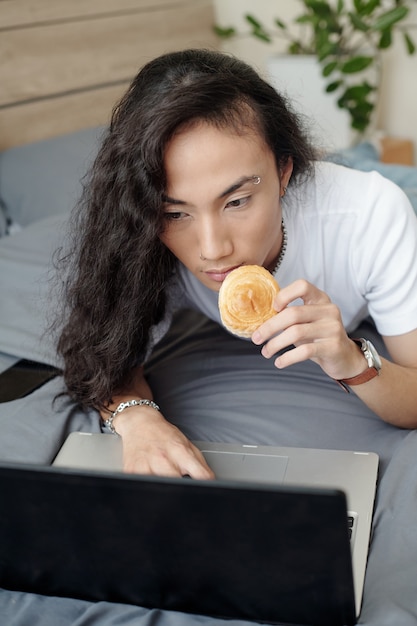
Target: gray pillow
(44,178)
(28,300)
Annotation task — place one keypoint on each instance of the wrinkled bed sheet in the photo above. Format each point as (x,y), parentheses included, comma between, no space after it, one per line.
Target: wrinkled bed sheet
(217,387)
(212,385)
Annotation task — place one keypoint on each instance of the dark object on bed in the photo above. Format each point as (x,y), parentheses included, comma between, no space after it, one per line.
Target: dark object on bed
(276,554)
(24,377)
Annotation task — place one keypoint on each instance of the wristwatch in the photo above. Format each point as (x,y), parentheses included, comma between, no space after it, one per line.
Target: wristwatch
(374,364)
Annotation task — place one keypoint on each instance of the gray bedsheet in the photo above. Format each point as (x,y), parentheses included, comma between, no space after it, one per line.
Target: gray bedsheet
(212,385)
(217,387)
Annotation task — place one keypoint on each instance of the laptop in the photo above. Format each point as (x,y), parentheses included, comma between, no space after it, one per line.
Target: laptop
(273,549)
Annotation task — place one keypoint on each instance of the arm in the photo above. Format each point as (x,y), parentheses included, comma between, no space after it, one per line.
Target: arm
(316,330)
(393,396)
(152,445)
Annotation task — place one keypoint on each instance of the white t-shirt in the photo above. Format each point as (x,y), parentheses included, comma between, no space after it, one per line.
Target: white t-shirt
(353,235)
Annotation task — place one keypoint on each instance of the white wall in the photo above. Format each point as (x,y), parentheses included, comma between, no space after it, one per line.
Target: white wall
(397,115)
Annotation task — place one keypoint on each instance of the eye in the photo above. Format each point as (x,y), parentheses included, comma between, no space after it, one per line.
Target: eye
(238,203)
(174,216)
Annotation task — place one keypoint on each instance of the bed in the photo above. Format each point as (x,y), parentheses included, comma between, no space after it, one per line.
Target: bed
(212,385)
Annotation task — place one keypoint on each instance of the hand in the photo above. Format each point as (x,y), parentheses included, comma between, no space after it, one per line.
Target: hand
(316,330)
(151,445)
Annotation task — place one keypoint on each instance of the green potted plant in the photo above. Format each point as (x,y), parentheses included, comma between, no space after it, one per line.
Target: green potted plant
(347,38)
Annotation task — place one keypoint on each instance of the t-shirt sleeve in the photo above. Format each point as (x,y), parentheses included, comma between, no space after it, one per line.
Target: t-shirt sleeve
(384,257)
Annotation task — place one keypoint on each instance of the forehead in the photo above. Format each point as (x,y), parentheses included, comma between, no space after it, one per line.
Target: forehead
(208,154)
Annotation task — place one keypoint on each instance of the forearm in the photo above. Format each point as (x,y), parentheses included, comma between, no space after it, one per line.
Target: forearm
(392,395)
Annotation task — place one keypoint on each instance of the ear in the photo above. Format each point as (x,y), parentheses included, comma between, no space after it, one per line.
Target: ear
(285,174)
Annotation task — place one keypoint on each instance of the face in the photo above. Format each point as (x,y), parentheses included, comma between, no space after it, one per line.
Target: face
(222,202)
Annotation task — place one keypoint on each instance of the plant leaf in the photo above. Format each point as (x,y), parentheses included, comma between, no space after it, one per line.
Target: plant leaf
(388,19)
(305,19)
(358,23)
(253,21)
(329,68)
(258,30)
(409,43)
(360,112)
(259,34)
(318,7)
(360,124)
(280,24)
(295,48)
(324,49)
(224,32)
(360,105)
(385,40)
(331,87)
(366,7)
(358,92)
(356,64)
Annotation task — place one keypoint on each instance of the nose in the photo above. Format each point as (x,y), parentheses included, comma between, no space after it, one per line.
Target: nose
(215,239)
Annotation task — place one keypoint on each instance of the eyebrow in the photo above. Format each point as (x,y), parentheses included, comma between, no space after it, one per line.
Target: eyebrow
(239,183)
(234,187)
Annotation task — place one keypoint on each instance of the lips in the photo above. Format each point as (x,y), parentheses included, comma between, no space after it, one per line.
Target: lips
(218,275)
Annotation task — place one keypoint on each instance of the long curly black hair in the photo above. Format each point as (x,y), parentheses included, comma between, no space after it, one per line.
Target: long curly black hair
(117,269)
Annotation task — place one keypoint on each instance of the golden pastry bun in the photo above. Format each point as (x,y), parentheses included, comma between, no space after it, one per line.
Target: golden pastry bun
(246,297)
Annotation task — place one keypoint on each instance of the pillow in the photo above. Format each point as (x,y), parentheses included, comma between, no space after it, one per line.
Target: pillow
(28,302)
(41,179)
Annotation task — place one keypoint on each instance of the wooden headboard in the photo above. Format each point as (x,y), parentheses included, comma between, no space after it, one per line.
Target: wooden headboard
(65,63)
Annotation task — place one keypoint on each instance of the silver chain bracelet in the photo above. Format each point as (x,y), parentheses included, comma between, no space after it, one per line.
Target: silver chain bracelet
(125,405)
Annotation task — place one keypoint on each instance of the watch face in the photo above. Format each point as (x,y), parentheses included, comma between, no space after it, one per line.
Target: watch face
(372,355)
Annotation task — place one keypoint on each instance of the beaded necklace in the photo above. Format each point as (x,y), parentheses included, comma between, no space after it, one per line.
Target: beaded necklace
(283,248)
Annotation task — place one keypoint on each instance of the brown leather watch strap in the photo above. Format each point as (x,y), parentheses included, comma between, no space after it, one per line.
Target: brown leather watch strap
(373,361)
(368,374)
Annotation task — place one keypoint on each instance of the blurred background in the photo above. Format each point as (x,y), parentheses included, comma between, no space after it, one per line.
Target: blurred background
(396,114)
(64,63)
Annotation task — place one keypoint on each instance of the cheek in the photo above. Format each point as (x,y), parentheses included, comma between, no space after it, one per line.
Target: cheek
(177,242)
(169,236)
(169,244)
(268,222)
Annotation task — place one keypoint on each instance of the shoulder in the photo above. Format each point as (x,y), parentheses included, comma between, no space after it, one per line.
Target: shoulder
(336,190)
(356,185)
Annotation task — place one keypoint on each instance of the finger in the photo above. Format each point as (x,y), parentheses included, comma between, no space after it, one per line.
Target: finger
(191,462)
(299,290)
(293,356)
(275,325)
(300,321)
(298,334)
(197,467)
(177,460)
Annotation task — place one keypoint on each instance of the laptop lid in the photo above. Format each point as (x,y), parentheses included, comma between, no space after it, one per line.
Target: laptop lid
(262,552)
(355,473)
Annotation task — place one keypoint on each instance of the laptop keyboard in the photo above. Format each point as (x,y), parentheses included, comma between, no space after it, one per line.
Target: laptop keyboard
(352,522)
